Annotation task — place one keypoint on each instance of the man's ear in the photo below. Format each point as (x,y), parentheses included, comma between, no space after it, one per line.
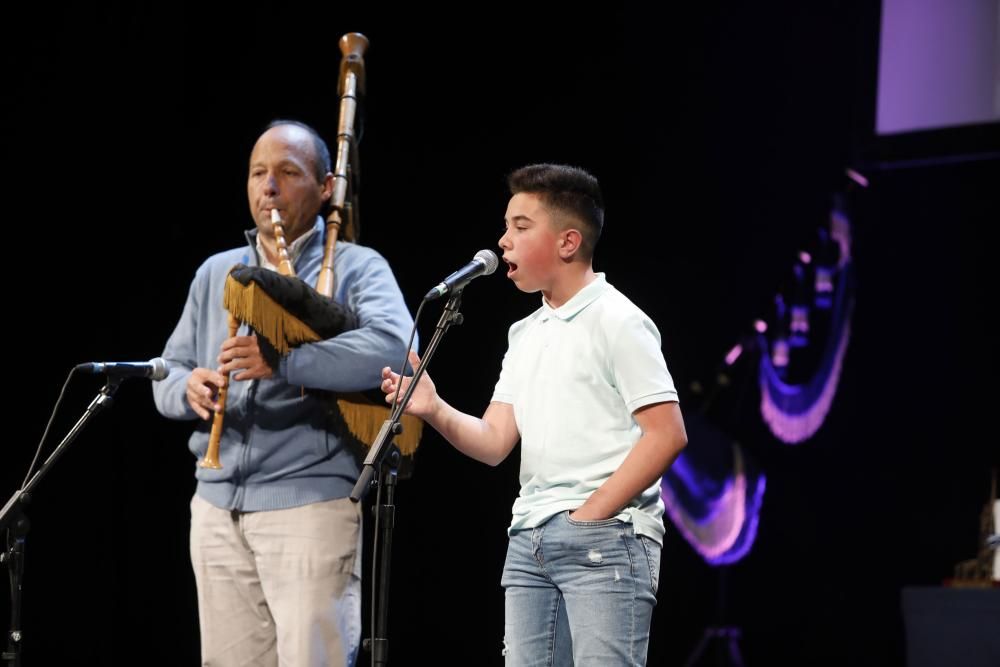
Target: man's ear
(326,191)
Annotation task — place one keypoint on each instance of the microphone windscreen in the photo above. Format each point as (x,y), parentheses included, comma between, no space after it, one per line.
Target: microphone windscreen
(489,259)
(160,370)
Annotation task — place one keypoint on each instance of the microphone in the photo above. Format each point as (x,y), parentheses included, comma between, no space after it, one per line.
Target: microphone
(154,369)
(483,264)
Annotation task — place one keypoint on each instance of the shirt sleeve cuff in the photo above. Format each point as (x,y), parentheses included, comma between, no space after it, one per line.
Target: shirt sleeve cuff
(651,399)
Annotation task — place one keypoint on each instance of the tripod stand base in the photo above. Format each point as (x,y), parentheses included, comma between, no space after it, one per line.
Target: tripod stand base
(726,633)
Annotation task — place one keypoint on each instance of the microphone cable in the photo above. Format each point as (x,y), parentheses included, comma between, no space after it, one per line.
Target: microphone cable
(48,427)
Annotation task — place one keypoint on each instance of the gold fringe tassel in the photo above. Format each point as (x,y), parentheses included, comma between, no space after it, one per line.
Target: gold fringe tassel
(364,419)
(252,305)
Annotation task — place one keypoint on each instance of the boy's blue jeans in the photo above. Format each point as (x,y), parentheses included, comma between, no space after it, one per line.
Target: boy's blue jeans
(579,593)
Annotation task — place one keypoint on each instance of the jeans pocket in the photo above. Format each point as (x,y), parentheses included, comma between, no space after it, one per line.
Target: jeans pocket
(595,524)
(652,550)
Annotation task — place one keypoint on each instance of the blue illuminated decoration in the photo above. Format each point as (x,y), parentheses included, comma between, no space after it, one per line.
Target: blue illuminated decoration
(794,411)
(714,491)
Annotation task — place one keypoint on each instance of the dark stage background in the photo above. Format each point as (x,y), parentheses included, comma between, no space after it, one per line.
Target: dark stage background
(719,136)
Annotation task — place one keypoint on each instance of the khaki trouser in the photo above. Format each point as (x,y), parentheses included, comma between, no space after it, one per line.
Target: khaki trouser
(278,588)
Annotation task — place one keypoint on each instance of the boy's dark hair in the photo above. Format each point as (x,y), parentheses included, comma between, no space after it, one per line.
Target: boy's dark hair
(323,164)
(570,190)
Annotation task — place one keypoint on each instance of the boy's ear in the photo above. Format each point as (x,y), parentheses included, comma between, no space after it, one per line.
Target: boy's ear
(569,243)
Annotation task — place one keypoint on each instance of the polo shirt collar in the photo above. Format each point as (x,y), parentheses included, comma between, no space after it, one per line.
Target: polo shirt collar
(578,302)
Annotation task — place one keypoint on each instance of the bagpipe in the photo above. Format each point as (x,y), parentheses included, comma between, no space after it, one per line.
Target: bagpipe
(284,310)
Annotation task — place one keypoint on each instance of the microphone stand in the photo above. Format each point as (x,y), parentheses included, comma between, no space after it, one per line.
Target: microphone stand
(12,517)
(384,454)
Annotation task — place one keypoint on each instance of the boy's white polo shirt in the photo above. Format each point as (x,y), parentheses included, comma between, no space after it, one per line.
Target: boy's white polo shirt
(574,375)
